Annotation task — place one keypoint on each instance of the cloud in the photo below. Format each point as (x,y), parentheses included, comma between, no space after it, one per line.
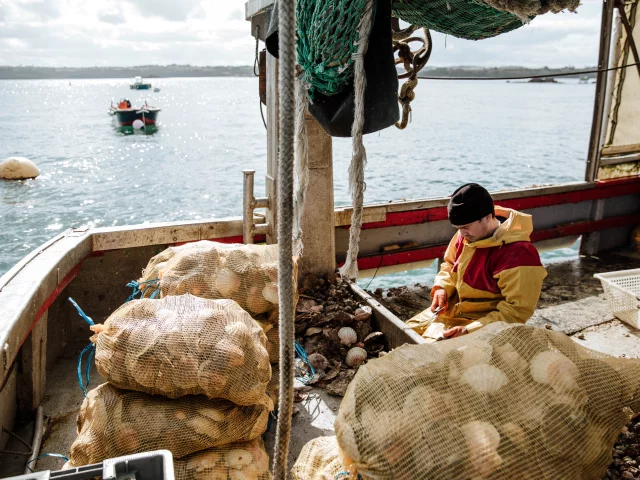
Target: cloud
(173,10)
(113,16)
(236,15)
(214,32)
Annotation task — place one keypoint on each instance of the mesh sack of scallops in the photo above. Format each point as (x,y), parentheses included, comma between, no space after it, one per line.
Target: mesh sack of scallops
(184,345)
(155,267)
(509,401)
(273,343)
(247,274)
(318,460)
(236,461)
(273,387)
(114,422)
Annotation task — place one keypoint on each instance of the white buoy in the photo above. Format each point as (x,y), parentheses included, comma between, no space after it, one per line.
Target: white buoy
(138,124)
(18,168)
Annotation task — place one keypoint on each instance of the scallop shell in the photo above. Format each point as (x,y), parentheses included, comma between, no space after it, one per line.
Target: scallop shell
(363,313)
(356,356)
(270,293)
(238,458)
(347,336)
(554,369)
(227,282)
(256,302)
(482,439)
(475,353)
(318,361)
(485,378)
(372,338)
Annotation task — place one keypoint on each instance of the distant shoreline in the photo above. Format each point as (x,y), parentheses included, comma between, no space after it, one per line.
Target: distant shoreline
(180,71)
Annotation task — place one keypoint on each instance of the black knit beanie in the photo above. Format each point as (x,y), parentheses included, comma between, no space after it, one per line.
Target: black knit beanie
(469,203)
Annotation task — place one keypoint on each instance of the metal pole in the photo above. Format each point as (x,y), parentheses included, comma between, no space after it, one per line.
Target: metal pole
(601,88)
(629,30)
(614,60)
(273,127)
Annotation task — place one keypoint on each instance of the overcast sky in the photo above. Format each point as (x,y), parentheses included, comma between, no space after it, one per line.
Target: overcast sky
(214,32)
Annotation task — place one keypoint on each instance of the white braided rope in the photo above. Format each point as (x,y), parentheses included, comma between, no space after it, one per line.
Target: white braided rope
(286,86)
(301,171)
(359,158)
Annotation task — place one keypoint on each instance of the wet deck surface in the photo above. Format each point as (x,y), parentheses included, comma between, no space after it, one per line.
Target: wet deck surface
(61,404)
(315,418)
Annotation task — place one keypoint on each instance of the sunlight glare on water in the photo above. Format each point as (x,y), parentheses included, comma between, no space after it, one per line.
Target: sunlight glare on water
(497,134)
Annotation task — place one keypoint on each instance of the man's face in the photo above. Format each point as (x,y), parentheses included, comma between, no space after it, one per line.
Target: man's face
(477,230)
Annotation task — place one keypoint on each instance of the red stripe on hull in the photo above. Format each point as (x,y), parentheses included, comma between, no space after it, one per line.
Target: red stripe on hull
(73,273)
(437,251)
(600,190)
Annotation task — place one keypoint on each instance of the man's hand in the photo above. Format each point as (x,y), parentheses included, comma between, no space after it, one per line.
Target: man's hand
(439,299)
(455,332)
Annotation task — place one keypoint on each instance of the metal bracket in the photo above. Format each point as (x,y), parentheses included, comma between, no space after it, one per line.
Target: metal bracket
(249,204)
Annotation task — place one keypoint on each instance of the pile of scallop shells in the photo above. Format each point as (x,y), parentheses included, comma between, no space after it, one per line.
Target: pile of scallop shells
(334,327)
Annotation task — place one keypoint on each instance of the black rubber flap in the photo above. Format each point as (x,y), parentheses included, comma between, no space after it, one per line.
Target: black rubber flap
(271,40)
(335,113)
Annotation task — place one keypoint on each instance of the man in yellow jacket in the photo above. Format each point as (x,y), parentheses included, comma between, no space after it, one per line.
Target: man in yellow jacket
(491,271)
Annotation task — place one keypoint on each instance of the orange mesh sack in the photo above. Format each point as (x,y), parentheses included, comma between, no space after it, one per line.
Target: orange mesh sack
(114,422)
(238,461)
(184,345)
(247,274)
(509,401)
(318,460)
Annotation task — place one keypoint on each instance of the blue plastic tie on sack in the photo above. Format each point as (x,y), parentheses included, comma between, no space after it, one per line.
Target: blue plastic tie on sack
(304,377)
(346,475)
(82,314)
(56,455)
(91,348)
(140,288)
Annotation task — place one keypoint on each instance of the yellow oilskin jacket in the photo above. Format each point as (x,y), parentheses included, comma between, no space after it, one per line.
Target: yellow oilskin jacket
(495,279)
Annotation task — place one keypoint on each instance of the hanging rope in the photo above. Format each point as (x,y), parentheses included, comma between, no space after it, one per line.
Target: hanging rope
(286,87)
(11,452)
(301,172)
(257,67)
(413,61)
(256,61)
(359,158)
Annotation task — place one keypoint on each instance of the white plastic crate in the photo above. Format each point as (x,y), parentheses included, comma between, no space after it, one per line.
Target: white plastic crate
(157,465)
(622,291)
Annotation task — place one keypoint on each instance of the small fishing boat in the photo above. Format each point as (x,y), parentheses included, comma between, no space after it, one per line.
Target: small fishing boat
(139,84)
(130,116)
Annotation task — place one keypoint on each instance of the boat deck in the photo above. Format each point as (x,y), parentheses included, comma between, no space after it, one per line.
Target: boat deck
(572,302)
